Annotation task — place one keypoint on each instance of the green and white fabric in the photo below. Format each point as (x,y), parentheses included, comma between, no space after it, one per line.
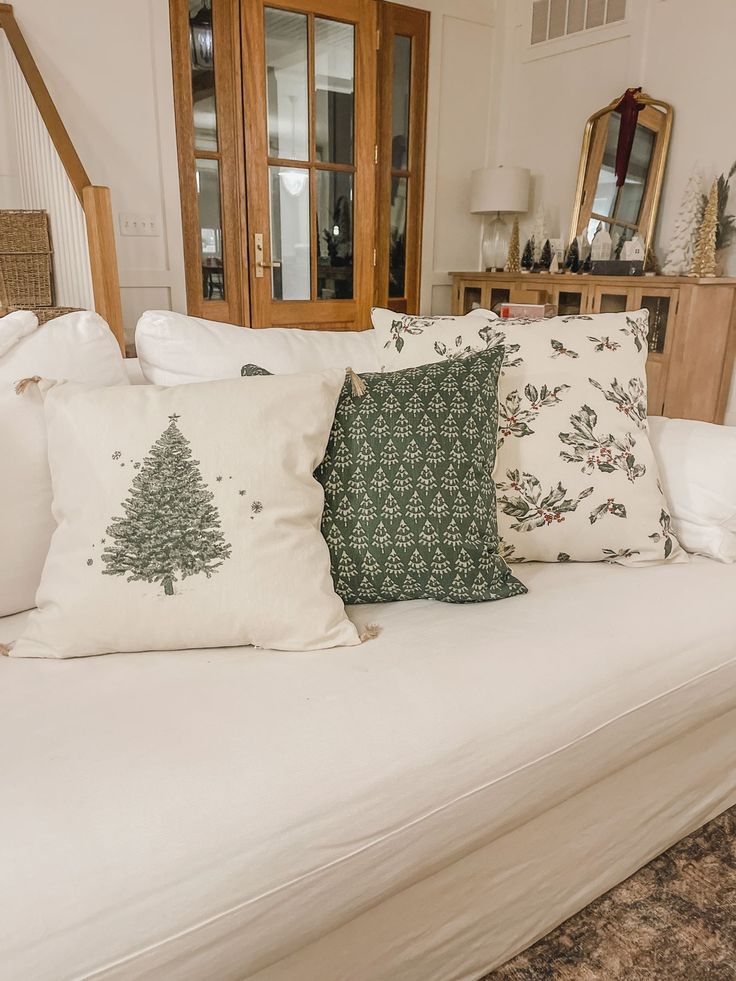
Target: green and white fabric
(575,472)
(188,517)
(410,507)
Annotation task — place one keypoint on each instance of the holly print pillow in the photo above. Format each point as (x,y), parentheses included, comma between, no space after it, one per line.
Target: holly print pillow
(575,472)
(188,517)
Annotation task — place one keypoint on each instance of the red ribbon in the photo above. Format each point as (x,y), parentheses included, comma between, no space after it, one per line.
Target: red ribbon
(629,109)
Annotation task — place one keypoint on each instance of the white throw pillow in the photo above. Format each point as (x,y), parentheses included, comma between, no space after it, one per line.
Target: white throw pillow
(576,475)
(174,349)
(79,347)
(188,517)
(697,461)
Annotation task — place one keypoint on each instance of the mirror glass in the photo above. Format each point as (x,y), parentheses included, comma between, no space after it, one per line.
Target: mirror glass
(631,208)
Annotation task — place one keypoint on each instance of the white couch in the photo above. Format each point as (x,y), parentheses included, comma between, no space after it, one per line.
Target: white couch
(419,808)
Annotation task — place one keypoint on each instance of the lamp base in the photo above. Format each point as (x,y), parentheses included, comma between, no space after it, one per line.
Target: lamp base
(496,237)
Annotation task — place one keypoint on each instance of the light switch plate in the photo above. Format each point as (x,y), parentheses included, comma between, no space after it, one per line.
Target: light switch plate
(142,225)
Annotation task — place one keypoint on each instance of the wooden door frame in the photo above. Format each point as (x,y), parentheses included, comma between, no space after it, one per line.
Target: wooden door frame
(234,308)
(335,314)
(396,19)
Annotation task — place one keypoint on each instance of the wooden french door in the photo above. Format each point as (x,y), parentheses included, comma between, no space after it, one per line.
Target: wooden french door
(299,206)
(309,96)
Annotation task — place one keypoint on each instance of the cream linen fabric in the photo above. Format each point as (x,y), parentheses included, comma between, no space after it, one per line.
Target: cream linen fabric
(414,808)
(576,475)
(77,346)
(697,461)
(174,349)
(14,327)
(188,517)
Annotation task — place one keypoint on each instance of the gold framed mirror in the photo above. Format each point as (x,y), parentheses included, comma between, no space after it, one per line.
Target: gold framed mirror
(631,208)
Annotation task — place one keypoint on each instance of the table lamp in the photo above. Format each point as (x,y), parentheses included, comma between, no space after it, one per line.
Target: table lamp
(497,190)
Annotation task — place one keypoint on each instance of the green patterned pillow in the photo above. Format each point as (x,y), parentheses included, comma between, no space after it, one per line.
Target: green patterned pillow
(410,505)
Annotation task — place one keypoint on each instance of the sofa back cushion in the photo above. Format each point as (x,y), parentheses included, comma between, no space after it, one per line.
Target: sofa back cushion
(697,461)
(174,349)
(79,347)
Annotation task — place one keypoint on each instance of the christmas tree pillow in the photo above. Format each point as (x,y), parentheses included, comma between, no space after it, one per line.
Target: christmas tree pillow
(410,506)
(576,474)
(188,517)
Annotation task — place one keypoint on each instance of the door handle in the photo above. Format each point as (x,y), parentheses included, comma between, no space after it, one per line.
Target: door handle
(261,264)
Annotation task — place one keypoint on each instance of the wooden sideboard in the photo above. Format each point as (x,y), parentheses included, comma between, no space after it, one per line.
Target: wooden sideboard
(692,326)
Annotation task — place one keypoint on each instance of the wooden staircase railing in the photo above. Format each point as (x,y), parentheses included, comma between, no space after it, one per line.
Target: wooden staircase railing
(95,200)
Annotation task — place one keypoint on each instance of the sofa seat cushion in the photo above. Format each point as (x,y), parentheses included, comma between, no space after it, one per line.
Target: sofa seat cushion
(242,804)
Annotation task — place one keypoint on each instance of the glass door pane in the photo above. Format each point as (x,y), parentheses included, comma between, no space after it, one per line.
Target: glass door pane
(335,220)
(403,50)
(334,84)
(210,225)
(400,102)
(201,42)
(287,84)
(289,199)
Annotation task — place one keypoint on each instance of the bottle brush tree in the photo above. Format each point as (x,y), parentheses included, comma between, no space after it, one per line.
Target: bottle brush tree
(545,259)
(170,528)
(572,259)
(527,259)
(704,259)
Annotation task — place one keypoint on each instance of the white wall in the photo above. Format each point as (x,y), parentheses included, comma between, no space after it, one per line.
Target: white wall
(108,67)
(460,118)
(677,50)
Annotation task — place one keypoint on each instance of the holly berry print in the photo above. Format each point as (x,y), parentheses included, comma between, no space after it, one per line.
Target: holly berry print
(665,535)
(170,528)
(530,508)
(637,327)
(604,452)
(631,401)
(517,413)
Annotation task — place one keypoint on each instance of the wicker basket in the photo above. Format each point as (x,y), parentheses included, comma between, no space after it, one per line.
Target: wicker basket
(25,259)
(45,314)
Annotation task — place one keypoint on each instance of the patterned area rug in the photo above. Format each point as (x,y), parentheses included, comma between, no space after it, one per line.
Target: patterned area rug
(674,920)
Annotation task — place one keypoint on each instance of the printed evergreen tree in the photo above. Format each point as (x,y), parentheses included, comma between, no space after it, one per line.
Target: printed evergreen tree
(170,527)
(513,264)
(704,260)
(358,537)
(572,259)
(403,536)
(685,233)
(527,259)
(417,564)
(402,480)
(415,507)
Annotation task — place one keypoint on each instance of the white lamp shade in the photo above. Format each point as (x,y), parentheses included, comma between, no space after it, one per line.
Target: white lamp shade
(499,189)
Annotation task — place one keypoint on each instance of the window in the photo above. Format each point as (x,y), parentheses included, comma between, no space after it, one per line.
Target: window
(552,19)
